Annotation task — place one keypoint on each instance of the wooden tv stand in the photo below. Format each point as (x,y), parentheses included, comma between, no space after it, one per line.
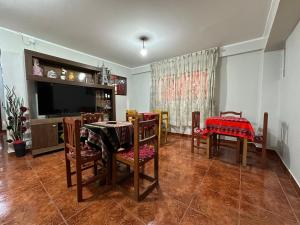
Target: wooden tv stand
(46,135)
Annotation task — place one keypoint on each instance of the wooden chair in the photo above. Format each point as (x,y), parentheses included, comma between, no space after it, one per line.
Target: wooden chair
(197,132)
(91,118)
(163,124)
(144,150)
(82,156)
(130,114)
(239,142)
(232,113)
(261,138)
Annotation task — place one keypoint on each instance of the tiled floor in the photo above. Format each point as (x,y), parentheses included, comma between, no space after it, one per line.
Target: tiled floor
(193,190)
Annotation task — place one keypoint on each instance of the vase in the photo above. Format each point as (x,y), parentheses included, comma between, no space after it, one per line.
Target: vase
(20,148)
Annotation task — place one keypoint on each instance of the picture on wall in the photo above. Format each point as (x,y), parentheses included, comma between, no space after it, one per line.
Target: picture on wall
(120,84)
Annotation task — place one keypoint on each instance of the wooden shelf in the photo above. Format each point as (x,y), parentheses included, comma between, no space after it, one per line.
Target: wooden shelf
(46,133)
(68,82)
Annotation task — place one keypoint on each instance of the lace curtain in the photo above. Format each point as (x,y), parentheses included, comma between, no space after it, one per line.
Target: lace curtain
(184,84)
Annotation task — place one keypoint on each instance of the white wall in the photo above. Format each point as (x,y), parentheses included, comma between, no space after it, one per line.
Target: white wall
(239,84)
(12,46)
(272,73)
(139,93)
(290,106)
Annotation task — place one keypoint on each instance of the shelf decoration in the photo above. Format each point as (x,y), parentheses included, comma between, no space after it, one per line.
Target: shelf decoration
(104,75)
(120,84)
(71,76)
(51,74)
(63,75)
(36,69)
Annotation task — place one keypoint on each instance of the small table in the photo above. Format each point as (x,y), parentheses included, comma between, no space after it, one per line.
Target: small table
(113,134)
(229,126)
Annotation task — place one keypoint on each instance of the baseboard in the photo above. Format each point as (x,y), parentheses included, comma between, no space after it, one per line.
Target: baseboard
(292,177)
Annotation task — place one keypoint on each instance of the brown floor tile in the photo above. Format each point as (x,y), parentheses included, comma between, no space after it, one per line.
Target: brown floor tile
(103,212)
(295,203)
(193,217)
(193,190)
(254,215)
(157,208)
(28,207)
(214,205)
(275,202)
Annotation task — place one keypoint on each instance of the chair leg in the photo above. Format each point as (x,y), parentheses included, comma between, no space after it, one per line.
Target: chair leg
(198,141)
(136,182)
(79,182)
(192,149)
(156,167)
(238,150)
(95,168)
(114,170)
(264,154)
(68,172)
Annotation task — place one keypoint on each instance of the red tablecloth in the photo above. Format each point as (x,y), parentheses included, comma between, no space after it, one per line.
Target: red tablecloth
(232,126)
(149,115)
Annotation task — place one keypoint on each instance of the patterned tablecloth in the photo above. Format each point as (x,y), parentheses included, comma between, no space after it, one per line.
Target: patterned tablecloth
(231,126)
(113,135)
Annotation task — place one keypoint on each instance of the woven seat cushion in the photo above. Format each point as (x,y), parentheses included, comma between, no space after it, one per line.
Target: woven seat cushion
(87,152)
(146,152)
(258,139)
(198,131)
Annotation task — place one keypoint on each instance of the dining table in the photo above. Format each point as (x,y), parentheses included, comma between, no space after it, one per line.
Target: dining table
(229,126)
(109,136)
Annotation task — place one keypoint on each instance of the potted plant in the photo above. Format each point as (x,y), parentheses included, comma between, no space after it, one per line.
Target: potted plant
(15,121)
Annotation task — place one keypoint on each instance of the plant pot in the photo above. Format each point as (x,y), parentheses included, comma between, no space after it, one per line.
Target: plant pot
(20,148)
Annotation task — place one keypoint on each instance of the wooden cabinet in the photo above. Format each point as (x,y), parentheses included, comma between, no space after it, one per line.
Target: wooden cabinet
(44,135)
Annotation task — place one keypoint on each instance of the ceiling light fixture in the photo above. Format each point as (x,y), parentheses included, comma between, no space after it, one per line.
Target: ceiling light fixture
(143,51)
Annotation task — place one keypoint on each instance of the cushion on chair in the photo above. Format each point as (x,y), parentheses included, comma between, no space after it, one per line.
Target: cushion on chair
(258,139)
(146,152)
(198,130)
(87,152)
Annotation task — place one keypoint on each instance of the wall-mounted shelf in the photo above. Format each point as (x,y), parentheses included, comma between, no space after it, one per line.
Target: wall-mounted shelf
(68,82)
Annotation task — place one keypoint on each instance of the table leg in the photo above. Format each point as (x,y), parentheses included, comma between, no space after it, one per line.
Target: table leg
(208,146)
(245,151)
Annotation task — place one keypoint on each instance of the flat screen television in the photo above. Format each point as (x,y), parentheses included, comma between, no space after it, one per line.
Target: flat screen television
(61,100)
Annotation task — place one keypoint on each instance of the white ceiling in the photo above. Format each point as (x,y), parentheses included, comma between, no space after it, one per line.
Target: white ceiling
(110,29)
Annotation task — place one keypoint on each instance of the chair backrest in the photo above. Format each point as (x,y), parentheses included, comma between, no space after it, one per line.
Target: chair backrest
(72,135)
(195,120)
(265,127)
(232,113)
(130,114)
(139,140)
(91,117)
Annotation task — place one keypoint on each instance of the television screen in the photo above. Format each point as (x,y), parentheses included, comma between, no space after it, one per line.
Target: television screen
(60,99)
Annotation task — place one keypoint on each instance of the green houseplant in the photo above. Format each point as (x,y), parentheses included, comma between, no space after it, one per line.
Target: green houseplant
(15,121)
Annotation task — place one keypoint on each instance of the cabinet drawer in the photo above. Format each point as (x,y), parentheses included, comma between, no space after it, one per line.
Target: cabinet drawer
(44,135)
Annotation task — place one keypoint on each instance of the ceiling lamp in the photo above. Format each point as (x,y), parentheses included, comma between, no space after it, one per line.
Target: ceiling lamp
(143,51)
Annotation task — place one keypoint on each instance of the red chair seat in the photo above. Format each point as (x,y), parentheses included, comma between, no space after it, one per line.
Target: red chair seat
(146,152)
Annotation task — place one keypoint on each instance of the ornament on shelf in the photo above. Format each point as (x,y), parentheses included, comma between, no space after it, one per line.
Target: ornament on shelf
(104,75)
(36,69)
(63,75)
(71,76)
(51,74)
